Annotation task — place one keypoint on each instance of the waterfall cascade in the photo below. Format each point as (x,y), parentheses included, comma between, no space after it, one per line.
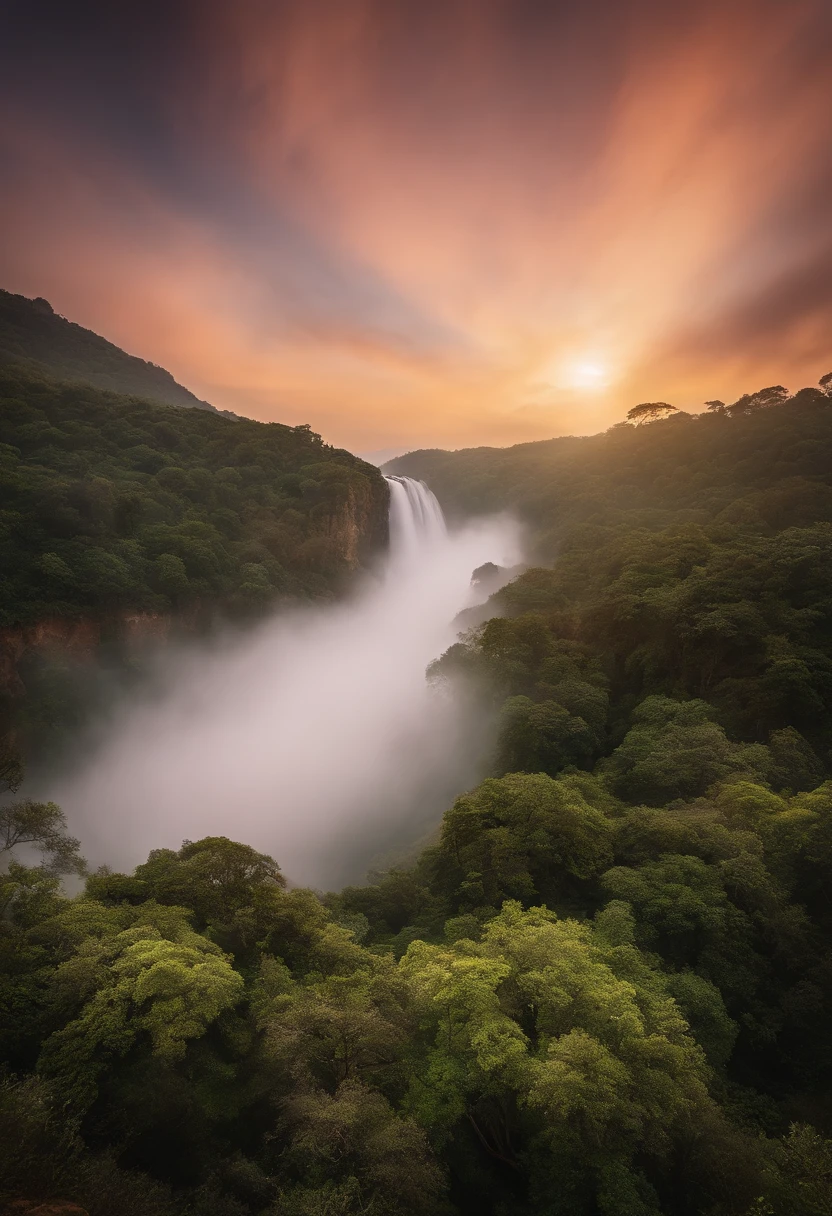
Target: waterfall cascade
(416,519)
(313,736)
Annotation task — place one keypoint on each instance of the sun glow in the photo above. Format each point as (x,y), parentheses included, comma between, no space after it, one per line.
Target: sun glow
(585,373)
(588,374)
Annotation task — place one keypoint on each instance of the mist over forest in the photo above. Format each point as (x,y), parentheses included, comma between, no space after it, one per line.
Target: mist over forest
(416,608)
(313,732)
(358,861)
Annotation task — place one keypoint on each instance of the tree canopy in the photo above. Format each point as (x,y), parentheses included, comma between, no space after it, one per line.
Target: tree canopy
(605,986)
(115,504)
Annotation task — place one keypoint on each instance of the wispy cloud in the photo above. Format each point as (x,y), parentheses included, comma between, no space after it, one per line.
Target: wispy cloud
(405,220)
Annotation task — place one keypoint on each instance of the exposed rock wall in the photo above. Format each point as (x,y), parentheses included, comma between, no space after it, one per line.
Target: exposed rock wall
(360,528)
(79,639)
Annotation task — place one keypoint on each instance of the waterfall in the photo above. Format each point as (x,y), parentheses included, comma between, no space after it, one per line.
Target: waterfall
(314,736)
(416,519)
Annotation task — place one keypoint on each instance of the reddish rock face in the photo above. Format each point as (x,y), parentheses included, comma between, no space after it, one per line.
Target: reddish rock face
(358,530)
(141,626)
(77,638)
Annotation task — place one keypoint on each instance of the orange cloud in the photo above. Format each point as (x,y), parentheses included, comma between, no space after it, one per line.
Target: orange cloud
(454,224)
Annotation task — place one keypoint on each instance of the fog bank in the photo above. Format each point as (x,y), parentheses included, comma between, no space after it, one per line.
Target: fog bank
(313,737)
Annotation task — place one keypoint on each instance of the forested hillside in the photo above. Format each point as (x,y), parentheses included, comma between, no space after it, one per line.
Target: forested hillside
(749,465)
(606,988)
(113,502)
(113,499)
(691,556)
(32,334)
(124,520)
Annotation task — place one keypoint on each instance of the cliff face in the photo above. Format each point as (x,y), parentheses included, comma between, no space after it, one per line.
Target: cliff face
(79,640)
(359,530)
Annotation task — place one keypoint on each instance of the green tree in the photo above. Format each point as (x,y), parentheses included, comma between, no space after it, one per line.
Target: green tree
(801,1175)
(136,986)
(524,836)
(215,876)
(351,1154)
(562,1055)
(42,826)
(541,737)
(763,399)
(170,575)
(675,750)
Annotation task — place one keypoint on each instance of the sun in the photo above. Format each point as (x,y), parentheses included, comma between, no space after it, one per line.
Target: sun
(579,373)
(587,374)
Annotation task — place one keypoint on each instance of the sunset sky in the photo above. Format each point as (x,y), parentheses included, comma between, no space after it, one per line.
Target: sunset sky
(429,222)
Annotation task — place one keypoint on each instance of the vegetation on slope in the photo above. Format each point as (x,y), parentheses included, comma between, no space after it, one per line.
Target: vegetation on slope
(115,504)
(112,503)
(34,336)
(746,466)
(606,989)
(693,559)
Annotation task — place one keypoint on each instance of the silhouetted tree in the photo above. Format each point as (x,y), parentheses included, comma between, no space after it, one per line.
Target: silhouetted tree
(763,399)
(650,411)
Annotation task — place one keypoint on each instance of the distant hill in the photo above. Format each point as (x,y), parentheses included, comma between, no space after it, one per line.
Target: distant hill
(688,469)
(34,335)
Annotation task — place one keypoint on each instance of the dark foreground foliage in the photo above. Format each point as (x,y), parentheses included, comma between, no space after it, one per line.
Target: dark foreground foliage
(605,990)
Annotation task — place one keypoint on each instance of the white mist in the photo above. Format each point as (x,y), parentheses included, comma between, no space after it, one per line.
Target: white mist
(314,737)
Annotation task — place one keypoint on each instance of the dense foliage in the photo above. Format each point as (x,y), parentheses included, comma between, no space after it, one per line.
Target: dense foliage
(112,503)
(606,988)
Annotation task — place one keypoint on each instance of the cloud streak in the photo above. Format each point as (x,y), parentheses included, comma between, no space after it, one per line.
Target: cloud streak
(405,223)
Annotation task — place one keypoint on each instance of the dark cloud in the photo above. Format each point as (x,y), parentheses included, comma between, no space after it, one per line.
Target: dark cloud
(107,68)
